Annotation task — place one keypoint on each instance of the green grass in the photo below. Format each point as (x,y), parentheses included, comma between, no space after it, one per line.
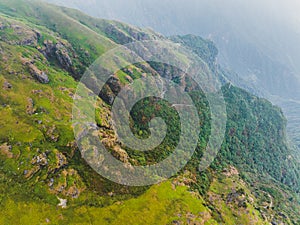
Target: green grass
(161,204)
(231,213)
(30,201)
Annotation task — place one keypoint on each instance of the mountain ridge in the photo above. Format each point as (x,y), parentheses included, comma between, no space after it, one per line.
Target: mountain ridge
(38,152)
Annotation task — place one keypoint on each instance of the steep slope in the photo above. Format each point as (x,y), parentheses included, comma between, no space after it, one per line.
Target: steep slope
(43,48)
(259,41)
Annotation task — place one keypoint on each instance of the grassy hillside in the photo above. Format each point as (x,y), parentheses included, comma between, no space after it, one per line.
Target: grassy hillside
(44,50)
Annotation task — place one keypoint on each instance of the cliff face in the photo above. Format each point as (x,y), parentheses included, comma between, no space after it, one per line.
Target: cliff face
(44,52)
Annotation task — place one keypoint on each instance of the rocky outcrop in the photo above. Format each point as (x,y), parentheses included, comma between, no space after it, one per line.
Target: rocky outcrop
(59,52)
(63,56)
(126,34)
(68,184)
(110,90)
(186,179)
(28,174)
(238,197)
(107,95)
(30,107)
(117,35)
(52,134)
(61,160)
(18,33)
(5,149)
(3,25)
(121,154)
(7,85)
(230,171)
(40,160)
(27,36)
(38,74)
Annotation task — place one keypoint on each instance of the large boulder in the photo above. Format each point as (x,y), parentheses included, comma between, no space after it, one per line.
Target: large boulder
(38,74)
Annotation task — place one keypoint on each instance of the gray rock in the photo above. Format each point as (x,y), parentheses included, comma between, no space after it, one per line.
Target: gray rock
(39,75)
(3,26)
(30,107)
(40,160)
(63,56)
(51,182)
(7,85)
(58,51)
(43,78)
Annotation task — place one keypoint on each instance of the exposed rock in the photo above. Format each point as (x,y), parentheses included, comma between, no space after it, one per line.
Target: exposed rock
(52,134)
(5,149)
(18,33)
(128,71)
(51,182)
(58,51)
(7,85)
(30,107)
(48,48)
(198,219)
(114,84)
(107,95)
(110,90)
(186,179)
(117,34)
(121,154)
(61,188)
(38,74)
(64,186)
(3,25)
(36,91)
(238,197)
(130,80)
(73,192)
(61,160)
(127,34)
(283,215)
(230,171)
(73,147)
(42,77)
(40,160)
(29,174)
(63,56)
(24,35)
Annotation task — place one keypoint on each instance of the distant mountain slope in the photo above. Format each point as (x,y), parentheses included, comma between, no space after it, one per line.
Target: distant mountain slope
(44,51)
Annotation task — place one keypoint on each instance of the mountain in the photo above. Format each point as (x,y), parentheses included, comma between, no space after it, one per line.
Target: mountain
(45,50)
(259,41)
